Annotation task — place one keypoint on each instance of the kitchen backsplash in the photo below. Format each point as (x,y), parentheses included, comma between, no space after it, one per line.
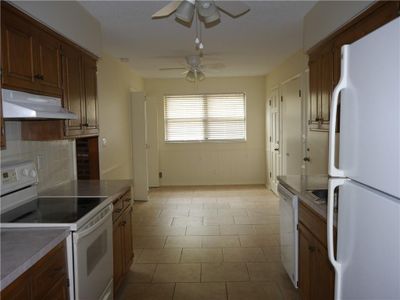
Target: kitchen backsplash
(54,159)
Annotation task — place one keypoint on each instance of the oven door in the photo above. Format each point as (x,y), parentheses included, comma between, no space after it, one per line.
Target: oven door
(93,258)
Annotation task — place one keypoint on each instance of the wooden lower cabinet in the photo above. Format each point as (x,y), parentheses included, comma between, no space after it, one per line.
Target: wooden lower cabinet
(123,238)
(316,274)
(47,279)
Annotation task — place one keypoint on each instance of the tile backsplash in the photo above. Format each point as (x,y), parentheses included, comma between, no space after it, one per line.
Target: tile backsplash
(55,160)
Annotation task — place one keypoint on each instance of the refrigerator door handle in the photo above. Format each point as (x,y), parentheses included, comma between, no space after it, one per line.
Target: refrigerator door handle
(332,184)
(332,170)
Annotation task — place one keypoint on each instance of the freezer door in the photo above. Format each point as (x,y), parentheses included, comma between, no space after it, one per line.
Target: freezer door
(368,245)
(370,110)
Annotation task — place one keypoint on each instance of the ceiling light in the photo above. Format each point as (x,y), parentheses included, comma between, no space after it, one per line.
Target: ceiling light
(208,11)
(195,75)
(185,11)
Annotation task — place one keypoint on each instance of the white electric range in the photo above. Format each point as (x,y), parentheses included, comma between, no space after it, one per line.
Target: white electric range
(89,245)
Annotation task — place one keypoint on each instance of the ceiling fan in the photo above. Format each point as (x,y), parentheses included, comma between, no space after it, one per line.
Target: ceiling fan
(207,10)
(194,68)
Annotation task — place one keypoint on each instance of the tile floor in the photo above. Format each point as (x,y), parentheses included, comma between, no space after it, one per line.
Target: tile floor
(207,243)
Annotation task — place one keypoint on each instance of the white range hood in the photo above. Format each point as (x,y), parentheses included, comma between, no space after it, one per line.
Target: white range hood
(21,105)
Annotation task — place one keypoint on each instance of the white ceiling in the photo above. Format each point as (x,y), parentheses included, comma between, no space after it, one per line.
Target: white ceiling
(250,45)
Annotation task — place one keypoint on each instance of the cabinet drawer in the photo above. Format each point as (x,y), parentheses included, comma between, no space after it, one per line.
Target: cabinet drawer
(118,208)
(126,199)
(48,271)
(313,222)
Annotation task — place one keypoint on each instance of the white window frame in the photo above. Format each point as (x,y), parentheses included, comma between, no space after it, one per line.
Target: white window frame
(206,140)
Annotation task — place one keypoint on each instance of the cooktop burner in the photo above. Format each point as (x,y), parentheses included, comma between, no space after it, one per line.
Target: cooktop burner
(52,210)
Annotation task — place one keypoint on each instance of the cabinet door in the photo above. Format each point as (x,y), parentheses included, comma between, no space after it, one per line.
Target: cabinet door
(20,289)
(48,63)
(326,86)
(322,274)
(118,260)
(305,247)
(2,128)
(73,96)
(17,37)
(314,92)
(128,241)
(58,292)
(90,91)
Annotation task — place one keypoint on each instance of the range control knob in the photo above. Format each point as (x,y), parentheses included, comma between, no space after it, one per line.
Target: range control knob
(25,172)
(33,173)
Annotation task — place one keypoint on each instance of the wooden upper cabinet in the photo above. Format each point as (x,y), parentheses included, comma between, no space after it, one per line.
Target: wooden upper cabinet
(18,61)
(31,56)
(324,59)
(48,63)
(73,88)
(90,81)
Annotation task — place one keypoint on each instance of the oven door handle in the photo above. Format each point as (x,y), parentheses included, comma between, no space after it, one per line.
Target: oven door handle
(96,225)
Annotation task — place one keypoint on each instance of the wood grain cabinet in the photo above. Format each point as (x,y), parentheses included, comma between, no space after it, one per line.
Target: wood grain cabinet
(123,238)
(36,59)
(316,274)
(324,59)
(47,279)
(80,91)
(30,55)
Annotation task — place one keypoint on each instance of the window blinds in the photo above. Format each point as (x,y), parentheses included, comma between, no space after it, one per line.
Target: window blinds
(205,117)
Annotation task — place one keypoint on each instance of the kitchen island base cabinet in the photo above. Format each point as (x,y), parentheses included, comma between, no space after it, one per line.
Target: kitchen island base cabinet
(123,239)
(316,274)
(45,280)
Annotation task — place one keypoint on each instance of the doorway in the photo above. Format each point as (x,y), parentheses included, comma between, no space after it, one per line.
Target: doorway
(274,139)
(292,150)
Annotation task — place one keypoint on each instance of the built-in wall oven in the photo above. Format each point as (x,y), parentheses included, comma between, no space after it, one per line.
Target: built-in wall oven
(90,244)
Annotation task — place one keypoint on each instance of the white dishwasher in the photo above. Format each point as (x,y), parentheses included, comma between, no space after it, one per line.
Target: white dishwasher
(288,232)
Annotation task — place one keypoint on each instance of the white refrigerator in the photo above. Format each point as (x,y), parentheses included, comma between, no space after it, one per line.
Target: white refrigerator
(367,261)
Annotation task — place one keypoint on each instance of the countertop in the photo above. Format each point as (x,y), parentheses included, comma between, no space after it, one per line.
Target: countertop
(21,248)
(89,188)
(299,185)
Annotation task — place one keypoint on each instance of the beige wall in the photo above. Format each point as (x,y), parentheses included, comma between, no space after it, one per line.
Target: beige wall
(115,81)
(213,163)
(69,19)
(327,16)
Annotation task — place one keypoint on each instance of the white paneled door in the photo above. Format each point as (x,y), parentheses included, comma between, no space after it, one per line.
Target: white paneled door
(292,127)
(274,144)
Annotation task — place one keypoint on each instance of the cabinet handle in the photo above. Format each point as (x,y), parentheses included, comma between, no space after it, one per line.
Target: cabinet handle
(39,77)
(85,125)
(311,248)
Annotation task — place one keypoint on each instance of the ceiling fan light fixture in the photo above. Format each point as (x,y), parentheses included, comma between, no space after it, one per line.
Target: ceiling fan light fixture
(185,11)
(195,75)
(191,76)
(213,18)
(208,11)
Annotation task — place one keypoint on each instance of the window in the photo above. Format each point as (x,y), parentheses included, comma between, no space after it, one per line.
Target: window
(216,117)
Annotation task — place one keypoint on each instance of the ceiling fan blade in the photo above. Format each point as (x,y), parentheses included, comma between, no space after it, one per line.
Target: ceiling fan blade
(167,10)
(233,8)
(215,66)
(171,69)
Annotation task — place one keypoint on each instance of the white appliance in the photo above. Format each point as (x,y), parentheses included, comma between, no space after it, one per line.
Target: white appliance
(367,263)
(289,235)
(21,105)
(89,246)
